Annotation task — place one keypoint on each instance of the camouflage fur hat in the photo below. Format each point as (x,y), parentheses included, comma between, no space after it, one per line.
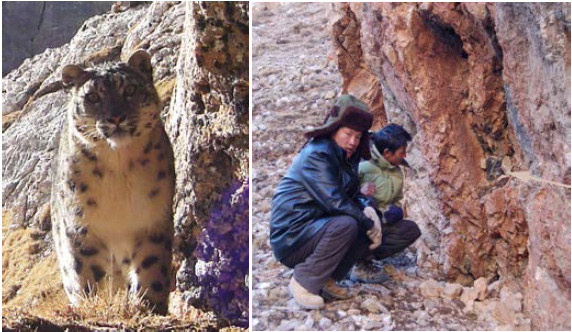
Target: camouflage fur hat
(348,111)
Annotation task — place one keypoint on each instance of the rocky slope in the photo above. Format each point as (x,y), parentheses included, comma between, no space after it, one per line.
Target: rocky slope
(456,77)
(205,94)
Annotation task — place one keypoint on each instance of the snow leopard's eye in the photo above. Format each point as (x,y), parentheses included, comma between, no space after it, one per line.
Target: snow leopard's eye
(129,90)
(93,98)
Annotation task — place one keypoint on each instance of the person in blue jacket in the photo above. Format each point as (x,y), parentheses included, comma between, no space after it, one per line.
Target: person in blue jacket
(318,213)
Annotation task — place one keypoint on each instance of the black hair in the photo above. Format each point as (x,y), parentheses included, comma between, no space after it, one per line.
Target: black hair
(390,137)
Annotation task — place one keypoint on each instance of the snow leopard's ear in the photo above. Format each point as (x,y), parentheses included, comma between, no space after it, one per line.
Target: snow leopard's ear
(73,75)
(141,62)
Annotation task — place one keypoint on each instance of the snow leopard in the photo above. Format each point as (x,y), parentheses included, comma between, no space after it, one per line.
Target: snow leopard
(113,185)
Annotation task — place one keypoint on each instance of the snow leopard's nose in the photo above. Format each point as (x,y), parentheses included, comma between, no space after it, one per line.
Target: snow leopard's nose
(116,120)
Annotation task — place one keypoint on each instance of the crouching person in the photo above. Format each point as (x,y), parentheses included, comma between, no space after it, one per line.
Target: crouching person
(382,178)
(318,213)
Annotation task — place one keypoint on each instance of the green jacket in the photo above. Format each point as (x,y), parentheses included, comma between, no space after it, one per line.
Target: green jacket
(388,179)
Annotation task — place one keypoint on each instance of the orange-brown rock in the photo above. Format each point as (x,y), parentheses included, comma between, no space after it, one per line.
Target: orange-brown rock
(486,91)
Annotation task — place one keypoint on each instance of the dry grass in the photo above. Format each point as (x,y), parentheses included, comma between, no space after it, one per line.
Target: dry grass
(33,297)
(116,309)
(105,310)
(28,275)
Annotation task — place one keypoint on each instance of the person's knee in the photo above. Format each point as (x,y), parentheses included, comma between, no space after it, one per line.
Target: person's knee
(346,225)
(412,230)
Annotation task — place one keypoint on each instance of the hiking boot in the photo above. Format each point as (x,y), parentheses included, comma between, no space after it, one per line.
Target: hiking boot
(334,291)
(368,273)
(303,297)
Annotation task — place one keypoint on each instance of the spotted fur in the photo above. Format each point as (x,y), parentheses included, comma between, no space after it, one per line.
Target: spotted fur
(112,190)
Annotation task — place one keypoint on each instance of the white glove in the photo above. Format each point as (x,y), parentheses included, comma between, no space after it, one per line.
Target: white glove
(374,233)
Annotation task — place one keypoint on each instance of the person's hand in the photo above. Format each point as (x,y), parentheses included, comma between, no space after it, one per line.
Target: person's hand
(368,189)
(374,233)
(393,214)
(375,242)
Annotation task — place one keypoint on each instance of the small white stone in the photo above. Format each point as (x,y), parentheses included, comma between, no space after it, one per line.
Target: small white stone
(288,325)
(372,324)
(359,320)
(330,95)
(415,305)
(309,323)
(493,290)
(255,323)
(354,312)
(430,288)
(481,287)
(401,292)
(373,306)
(264,285)
(422,317)
(452,290)
(325,323)
(468,297)
(411,271)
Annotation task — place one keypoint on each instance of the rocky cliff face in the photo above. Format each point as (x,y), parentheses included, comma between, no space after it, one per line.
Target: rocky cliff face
(29,27)
(200,61)
(208,125)
(485,88)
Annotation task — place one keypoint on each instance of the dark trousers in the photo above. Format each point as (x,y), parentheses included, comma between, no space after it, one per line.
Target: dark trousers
(396,238)
(339,245)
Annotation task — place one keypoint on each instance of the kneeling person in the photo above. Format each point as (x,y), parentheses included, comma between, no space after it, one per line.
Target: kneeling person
(382,178)
(318,212)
